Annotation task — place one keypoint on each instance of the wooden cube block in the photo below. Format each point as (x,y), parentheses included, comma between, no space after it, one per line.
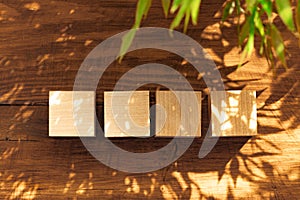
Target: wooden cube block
(233,113)
(174,113)
(125,115)
(71,113)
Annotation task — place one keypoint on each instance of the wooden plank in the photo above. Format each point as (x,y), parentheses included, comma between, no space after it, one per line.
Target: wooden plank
(41,47)
(173,118)
(42,50)
(26,86)
(60,167)
(63,168)
(233,113)
(23,123)
(126,114)
(71,114)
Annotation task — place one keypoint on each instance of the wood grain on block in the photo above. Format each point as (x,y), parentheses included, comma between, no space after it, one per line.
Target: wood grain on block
(126,114)
(71,113)
(233,113)
(178,113)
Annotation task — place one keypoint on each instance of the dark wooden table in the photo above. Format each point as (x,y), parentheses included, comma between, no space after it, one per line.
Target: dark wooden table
(42,46)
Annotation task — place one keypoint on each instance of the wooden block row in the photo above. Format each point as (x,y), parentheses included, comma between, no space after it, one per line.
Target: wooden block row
(126,114)
(168,121)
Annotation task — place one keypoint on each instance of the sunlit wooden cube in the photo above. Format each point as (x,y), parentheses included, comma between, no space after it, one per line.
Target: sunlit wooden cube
(178,114)
(233,113)
(126,114)
(71,113)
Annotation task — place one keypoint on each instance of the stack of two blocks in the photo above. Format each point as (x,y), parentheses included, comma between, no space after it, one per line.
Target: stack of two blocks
(126,114)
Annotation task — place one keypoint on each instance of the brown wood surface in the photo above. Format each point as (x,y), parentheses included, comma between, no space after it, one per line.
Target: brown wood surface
(42,45)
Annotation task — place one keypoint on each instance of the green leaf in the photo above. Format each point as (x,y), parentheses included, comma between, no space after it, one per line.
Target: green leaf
(239,9)
(126,42)
(261,48)
(278,45)
(285,12)
(175,5)
(247,50)
(166,6)
(148,5)
(187,19)
(251,5)
(298,20)
(268,47)
(244,32)
(259,25)
(180,15)
(298,16)
(194,6)
(228,10)
(267,6)
(141,10)
(269,53)
(250,43)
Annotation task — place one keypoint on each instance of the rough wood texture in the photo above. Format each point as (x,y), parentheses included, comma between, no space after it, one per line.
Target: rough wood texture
(71,114)
(177,115)
(233,113)
(126,114)
(42,46)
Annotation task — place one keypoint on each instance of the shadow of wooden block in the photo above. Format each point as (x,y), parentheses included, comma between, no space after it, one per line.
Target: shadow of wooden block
(174,114)
(125,115)
(233,113)
(71,113)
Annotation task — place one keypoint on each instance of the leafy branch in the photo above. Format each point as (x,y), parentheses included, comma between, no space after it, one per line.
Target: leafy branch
(187,9)
(259,17)
(258,22)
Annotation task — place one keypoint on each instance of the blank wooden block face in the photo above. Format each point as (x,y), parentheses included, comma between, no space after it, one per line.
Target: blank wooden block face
(126,115)
(233,113)
(178,114)
(71,113)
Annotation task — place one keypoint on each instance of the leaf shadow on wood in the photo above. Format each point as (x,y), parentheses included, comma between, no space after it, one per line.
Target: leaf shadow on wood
(43,51)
